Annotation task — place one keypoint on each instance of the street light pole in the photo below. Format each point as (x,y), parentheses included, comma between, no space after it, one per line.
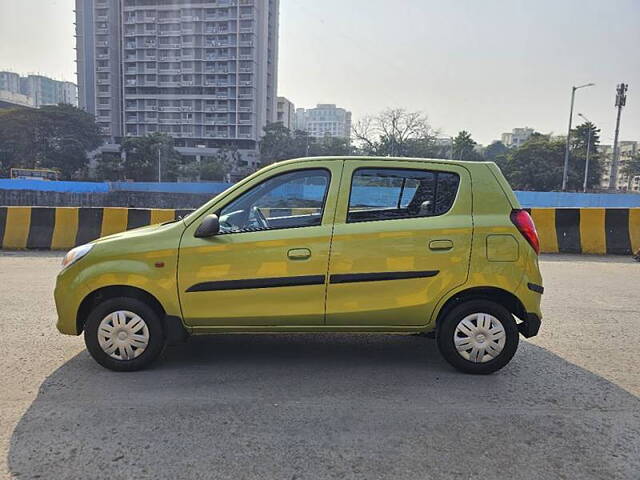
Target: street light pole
(565,172)
(586,161)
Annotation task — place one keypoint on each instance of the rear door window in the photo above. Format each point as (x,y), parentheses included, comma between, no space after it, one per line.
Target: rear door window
(389,193)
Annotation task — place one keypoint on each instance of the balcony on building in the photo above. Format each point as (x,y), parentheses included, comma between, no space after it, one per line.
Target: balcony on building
(167,20)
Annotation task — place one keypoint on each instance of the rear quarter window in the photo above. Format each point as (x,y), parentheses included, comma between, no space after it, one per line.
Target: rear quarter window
(389,193)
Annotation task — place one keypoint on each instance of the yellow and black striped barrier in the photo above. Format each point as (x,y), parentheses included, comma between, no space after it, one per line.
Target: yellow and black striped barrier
(588,230)
(61,228)
(561,230)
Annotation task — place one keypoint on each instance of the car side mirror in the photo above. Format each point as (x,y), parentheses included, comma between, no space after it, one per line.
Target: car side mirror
(209,227)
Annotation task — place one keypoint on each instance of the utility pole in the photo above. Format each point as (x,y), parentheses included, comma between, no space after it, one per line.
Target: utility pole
(565,171)
(621,100)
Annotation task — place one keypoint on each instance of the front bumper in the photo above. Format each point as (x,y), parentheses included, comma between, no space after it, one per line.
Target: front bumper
(68,296)
(530,325)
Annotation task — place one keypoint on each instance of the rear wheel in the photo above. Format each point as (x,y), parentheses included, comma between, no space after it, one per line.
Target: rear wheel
(478,336)
(124,334)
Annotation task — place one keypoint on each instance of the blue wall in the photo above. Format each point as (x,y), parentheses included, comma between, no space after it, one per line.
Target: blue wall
(565,199)
(166,187)
(527,199)
(47,186)
(104,187)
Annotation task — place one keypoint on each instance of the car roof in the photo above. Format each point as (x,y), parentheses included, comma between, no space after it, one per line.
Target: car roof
(371,159)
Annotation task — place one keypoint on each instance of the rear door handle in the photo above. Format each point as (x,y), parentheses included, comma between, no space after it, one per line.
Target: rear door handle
(440,245)
(299,253)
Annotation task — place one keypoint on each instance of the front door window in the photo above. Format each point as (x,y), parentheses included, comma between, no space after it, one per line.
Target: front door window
(289,200)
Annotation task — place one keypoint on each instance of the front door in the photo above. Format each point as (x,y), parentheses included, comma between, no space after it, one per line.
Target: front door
(402,239)
(268,264)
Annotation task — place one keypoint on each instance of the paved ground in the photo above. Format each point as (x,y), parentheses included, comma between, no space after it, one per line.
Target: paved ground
(327,406)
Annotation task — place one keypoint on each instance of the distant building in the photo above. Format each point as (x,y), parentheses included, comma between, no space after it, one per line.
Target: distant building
(516,137)
(628,149)
(10,100)
(325,120)
(443,141)
(202,72)
(41,90)
(69,93)
(286,113)
(9,82)
(47,91)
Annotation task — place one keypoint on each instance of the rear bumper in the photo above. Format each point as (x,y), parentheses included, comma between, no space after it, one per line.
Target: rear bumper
(530,325)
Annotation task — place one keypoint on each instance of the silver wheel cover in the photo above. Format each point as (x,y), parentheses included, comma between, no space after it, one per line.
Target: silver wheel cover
(123,335)
(479,337)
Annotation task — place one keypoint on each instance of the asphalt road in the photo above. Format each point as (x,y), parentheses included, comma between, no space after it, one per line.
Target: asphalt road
(328,406)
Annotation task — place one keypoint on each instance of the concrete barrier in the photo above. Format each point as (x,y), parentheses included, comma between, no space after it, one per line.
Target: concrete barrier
(561,230)
(61,228)
(588,230)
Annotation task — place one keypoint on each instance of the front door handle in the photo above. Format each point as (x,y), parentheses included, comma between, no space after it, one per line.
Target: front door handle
(440,245)
(299,253)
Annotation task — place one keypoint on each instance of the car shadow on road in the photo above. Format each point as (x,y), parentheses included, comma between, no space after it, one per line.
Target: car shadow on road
(326,406)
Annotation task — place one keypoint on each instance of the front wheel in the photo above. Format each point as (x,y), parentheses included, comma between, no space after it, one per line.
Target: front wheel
(124,334)
(478,336)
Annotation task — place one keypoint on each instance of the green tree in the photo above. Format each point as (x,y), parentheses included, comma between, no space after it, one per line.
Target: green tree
(279,143)
(56,137)
(536,165)
(332,146)
(579,139)
(109,166)
(211,168)
(138,159)
(495,152)
(464,147)
(217,167)
(275,144)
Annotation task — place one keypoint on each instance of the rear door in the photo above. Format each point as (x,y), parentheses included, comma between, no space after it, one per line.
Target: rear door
(402,239)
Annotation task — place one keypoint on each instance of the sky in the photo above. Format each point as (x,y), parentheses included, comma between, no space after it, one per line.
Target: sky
(485,66)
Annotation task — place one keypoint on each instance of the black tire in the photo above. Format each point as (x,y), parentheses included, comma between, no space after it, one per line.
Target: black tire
(447,328)
(155,344)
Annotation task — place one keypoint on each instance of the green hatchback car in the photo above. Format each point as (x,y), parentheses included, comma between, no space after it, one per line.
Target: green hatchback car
(384,245)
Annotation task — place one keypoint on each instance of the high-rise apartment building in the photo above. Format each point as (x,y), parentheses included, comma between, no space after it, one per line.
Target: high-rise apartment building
(286,113)
(203,72)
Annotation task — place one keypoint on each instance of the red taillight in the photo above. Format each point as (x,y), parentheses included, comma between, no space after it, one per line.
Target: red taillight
(524,223)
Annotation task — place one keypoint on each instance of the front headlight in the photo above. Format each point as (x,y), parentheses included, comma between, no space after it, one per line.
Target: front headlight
(75,254)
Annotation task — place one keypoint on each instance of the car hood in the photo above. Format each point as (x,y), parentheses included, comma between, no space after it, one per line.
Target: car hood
(139,232)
